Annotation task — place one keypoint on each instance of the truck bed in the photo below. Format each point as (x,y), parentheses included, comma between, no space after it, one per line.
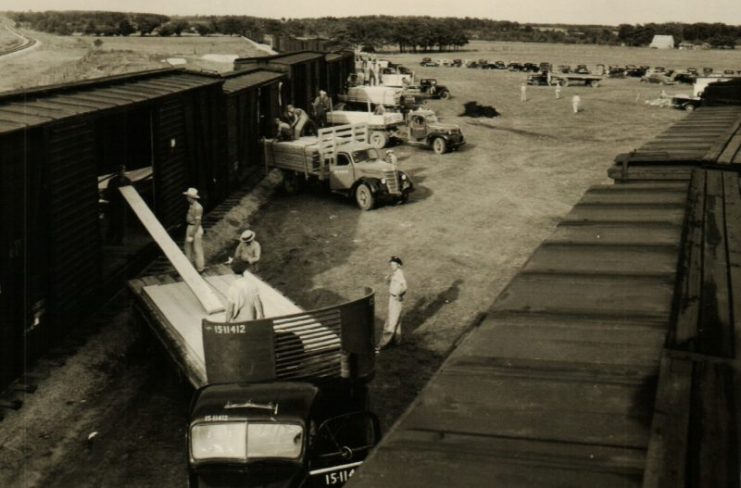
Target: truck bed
(175,315)
(300,155)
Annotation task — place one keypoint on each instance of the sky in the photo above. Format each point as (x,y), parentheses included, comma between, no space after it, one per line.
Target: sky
(609,12)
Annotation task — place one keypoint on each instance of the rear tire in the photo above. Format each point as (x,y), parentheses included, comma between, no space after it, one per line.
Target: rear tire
(364,197)
(378,139)
(439,145)
(689,107)
(445,95)
(292,183)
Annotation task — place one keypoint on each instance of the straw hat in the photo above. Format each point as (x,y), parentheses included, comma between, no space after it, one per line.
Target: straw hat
(247,236)
(192,193)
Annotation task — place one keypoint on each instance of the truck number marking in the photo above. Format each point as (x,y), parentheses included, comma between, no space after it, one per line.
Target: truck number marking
(230,329)
(338,477)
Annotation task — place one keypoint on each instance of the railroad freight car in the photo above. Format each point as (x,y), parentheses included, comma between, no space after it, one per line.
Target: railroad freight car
(58,147)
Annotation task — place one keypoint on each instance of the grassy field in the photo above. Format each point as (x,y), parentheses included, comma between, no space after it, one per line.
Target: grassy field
(61,59)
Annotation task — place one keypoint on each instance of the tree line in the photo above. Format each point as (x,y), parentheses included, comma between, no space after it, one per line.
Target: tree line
(413,33)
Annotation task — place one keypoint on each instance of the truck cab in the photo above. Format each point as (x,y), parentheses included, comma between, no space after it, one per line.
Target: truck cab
(281,435)
(424,127)
(359,170)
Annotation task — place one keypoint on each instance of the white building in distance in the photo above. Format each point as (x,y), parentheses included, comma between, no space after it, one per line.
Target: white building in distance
(662,42)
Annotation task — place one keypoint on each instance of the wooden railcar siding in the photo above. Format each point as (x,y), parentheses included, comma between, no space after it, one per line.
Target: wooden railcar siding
(171,176)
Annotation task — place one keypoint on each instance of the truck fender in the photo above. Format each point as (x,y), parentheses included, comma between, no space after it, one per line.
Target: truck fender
(373,183)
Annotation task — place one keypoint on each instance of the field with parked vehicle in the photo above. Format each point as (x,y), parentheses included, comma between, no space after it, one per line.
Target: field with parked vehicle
(113,414)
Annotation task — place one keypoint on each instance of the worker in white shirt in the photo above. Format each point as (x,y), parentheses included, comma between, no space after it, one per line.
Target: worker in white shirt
(397,289)
(193,246)
(243,301)
(248,251)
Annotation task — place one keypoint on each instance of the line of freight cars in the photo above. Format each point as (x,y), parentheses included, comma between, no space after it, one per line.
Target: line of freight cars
(612,357)
(173,128)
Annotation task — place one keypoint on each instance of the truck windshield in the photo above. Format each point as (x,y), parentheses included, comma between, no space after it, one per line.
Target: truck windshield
(369,154)
(246,441)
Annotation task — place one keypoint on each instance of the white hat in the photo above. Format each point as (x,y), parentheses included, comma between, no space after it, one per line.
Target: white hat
(191,192)
(247,236)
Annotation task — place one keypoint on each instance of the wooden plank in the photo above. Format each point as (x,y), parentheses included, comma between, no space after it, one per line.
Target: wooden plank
(667,448)
(690,266)
(717,149)
(731,151)
(733,233)
(182,265)
(715,328)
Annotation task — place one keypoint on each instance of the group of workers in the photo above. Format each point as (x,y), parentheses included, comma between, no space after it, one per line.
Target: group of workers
(295,122)
(575,100)
(243,297)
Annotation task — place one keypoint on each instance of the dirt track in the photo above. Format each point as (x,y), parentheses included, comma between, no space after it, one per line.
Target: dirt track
(476,216)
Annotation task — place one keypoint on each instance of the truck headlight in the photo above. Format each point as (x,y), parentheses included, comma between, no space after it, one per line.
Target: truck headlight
(403,176)
(383,181)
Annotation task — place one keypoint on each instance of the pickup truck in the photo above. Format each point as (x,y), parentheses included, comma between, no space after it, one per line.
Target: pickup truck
(422,127)
(428,88)
(340,159)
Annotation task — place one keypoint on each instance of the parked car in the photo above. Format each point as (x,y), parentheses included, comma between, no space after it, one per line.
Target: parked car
(515,67)
(428,88)
(581,69)
(530,67)
(663,78)
(683,102)
(635,71)
(495,65)
(563,68)
(538,79)
(425,61)
(616,72)
(457,63)
(687,77)
(692,70)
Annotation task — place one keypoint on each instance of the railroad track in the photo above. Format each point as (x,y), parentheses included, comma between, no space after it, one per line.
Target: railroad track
(26,42)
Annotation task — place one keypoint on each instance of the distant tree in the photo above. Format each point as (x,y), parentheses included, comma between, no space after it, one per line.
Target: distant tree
(125,28)
(204,29)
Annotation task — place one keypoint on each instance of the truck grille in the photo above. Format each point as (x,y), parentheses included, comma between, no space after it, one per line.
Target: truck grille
(392,182)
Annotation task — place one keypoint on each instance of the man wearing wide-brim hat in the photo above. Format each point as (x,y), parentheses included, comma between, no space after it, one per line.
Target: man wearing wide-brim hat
(397,289)
(193,246)
(248,251)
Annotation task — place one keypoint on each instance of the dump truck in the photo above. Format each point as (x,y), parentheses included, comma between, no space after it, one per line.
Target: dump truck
(280,401)
(341,160)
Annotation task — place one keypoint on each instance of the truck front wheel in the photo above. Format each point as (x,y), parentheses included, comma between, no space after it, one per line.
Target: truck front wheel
(439,145)
(444,95)
(689,107)
(364,197)
(291,183)
(378,139)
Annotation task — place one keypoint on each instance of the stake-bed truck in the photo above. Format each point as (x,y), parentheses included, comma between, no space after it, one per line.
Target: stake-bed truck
(340,159)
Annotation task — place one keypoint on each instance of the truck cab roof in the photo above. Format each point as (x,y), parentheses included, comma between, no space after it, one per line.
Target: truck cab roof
(245,401)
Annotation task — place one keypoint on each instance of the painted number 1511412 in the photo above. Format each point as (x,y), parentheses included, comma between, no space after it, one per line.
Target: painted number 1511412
(229,329)
(338,477)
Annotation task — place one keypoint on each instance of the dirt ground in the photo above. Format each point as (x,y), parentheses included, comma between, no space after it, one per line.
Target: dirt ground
(476,216)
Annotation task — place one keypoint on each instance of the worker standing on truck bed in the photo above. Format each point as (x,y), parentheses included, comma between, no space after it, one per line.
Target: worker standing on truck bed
(248,251)
(243,301)
(194,231)
(397,289)
(322,104)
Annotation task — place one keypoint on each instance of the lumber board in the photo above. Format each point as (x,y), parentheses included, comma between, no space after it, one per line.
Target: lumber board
(208,300)
(667,447)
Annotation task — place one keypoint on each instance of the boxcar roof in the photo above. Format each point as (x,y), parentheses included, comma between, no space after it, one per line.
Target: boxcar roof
(707,135)
(250,79)
(554,387)
(37,106)
(289,58)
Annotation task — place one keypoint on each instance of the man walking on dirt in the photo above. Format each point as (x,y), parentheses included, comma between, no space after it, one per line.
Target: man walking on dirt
(243,301)
(397,289)
(194,231)
(523,92)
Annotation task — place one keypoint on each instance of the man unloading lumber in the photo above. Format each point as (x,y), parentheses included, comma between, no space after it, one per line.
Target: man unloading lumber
(248,251)
(322,104)
(243,301)
(194,231)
